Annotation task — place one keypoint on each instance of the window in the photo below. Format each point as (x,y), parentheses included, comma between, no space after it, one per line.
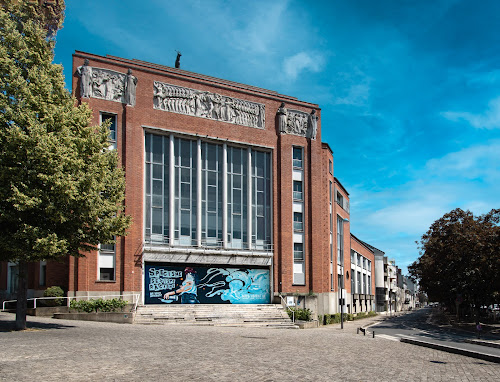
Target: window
(261,199)
(12,277)
(42,281)
(211,194)
(297,157)
(237,190)
(185,188)
(112,128)
(248,174)
(157,187)
(358,279)
(297,190)
(330,166)
(298,264)
(369,286)
(107,262)
(298,224)
(353,261)
(340,240)
(364,283)
(340,199)
(353,286)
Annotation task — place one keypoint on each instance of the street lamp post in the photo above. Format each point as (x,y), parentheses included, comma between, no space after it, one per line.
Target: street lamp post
(342,283)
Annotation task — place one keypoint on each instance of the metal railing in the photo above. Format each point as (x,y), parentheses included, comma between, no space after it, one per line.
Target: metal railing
(207,244)
(283,302)
(135,299)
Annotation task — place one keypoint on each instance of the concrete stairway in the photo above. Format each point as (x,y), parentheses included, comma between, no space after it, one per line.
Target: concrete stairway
(253,315)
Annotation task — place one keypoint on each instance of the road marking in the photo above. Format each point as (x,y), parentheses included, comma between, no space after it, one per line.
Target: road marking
(387,337)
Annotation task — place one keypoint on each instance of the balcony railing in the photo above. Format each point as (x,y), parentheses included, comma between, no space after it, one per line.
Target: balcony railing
(207,244)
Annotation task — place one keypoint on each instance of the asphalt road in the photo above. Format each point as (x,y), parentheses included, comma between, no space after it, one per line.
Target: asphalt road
(419,325)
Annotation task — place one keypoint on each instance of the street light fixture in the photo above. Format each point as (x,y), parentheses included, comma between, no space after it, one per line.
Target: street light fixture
(342,278)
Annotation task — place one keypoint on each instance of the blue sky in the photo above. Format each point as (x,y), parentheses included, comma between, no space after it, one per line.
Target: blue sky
(409,89)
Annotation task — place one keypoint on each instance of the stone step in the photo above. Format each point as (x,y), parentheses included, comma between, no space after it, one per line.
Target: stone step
(261,315)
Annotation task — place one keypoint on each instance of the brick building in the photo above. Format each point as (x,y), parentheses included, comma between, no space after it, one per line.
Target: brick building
(231,191)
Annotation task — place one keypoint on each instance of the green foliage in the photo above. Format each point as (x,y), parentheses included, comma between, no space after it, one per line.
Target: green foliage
(460,255)
(61,190)
(300,313)
(53,291)
(97,305)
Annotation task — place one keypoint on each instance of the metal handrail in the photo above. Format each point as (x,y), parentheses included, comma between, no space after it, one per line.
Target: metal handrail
(283,301)
(135,300)
(207,245)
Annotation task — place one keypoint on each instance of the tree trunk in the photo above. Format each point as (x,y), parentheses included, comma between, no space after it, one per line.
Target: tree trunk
(22,295)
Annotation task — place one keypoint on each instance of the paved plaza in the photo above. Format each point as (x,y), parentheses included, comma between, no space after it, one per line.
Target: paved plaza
(59,350)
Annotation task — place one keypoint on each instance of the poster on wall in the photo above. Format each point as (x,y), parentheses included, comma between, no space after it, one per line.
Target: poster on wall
(166,284)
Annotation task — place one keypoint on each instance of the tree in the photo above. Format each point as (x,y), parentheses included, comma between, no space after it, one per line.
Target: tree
(61,190)
(460,259)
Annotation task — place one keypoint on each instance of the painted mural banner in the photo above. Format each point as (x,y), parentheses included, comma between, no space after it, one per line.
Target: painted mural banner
(167,284)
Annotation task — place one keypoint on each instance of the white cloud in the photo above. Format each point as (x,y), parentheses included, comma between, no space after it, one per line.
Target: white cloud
(490,119)
(476,162)
(294,65)
(393,218)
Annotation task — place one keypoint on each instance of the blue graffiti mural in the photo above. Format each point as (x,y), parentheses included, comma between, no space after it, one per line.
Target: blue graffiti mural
(193,285)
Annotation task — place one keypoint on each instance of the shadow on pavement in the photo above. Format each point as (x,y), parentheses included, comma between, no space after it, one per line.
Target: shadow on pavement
(9,325)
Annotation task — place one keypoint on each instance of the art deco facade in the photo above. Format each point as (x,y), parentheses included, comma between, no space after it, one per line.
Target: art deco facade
(229,186)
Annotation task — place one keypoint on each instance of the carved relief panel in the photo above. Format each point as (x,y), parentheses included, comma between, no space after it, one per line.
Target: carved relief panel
(107,84)
(177,99)
(297,122)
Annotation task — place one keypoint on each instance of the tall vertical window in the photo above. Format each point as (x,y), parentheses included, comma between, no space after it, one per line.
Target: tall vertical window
(193,192)
(107,262)
(369,285)
(12,277)
(112,128)
(298,223)
(353,286)
(157,187)
(340,240)
(185,189)
(211,199)
(298,153)
(237,196)
(298,264)
(358,279)
(261,199)
(42,281)
(364,283)
(330,166)
(297,190)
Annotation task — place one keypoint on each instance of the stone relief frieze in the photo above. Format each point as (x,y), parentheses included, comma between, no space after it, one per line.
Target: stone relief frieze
(297,122)
(107,84)
(177,99)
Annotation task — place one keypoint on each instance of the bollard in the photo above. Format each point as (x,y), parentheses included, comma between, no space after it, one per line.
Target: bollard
(373,334)
(357,331)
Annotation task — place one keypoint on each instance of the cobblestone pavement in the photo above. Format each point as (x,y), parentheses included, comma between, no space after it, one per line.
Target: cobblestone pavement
(59,350)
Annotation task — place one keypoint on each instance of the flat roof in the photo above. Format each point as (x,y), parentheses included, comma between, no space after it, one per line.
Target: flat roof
(148,66)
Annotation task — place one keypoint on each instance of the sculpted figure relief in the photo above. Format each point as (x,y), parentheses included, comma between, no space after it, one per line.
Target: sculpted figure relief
(209,105)
(85,72)
(312,123)
(282,118)
(107,84)
(131,85)
(297,122)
